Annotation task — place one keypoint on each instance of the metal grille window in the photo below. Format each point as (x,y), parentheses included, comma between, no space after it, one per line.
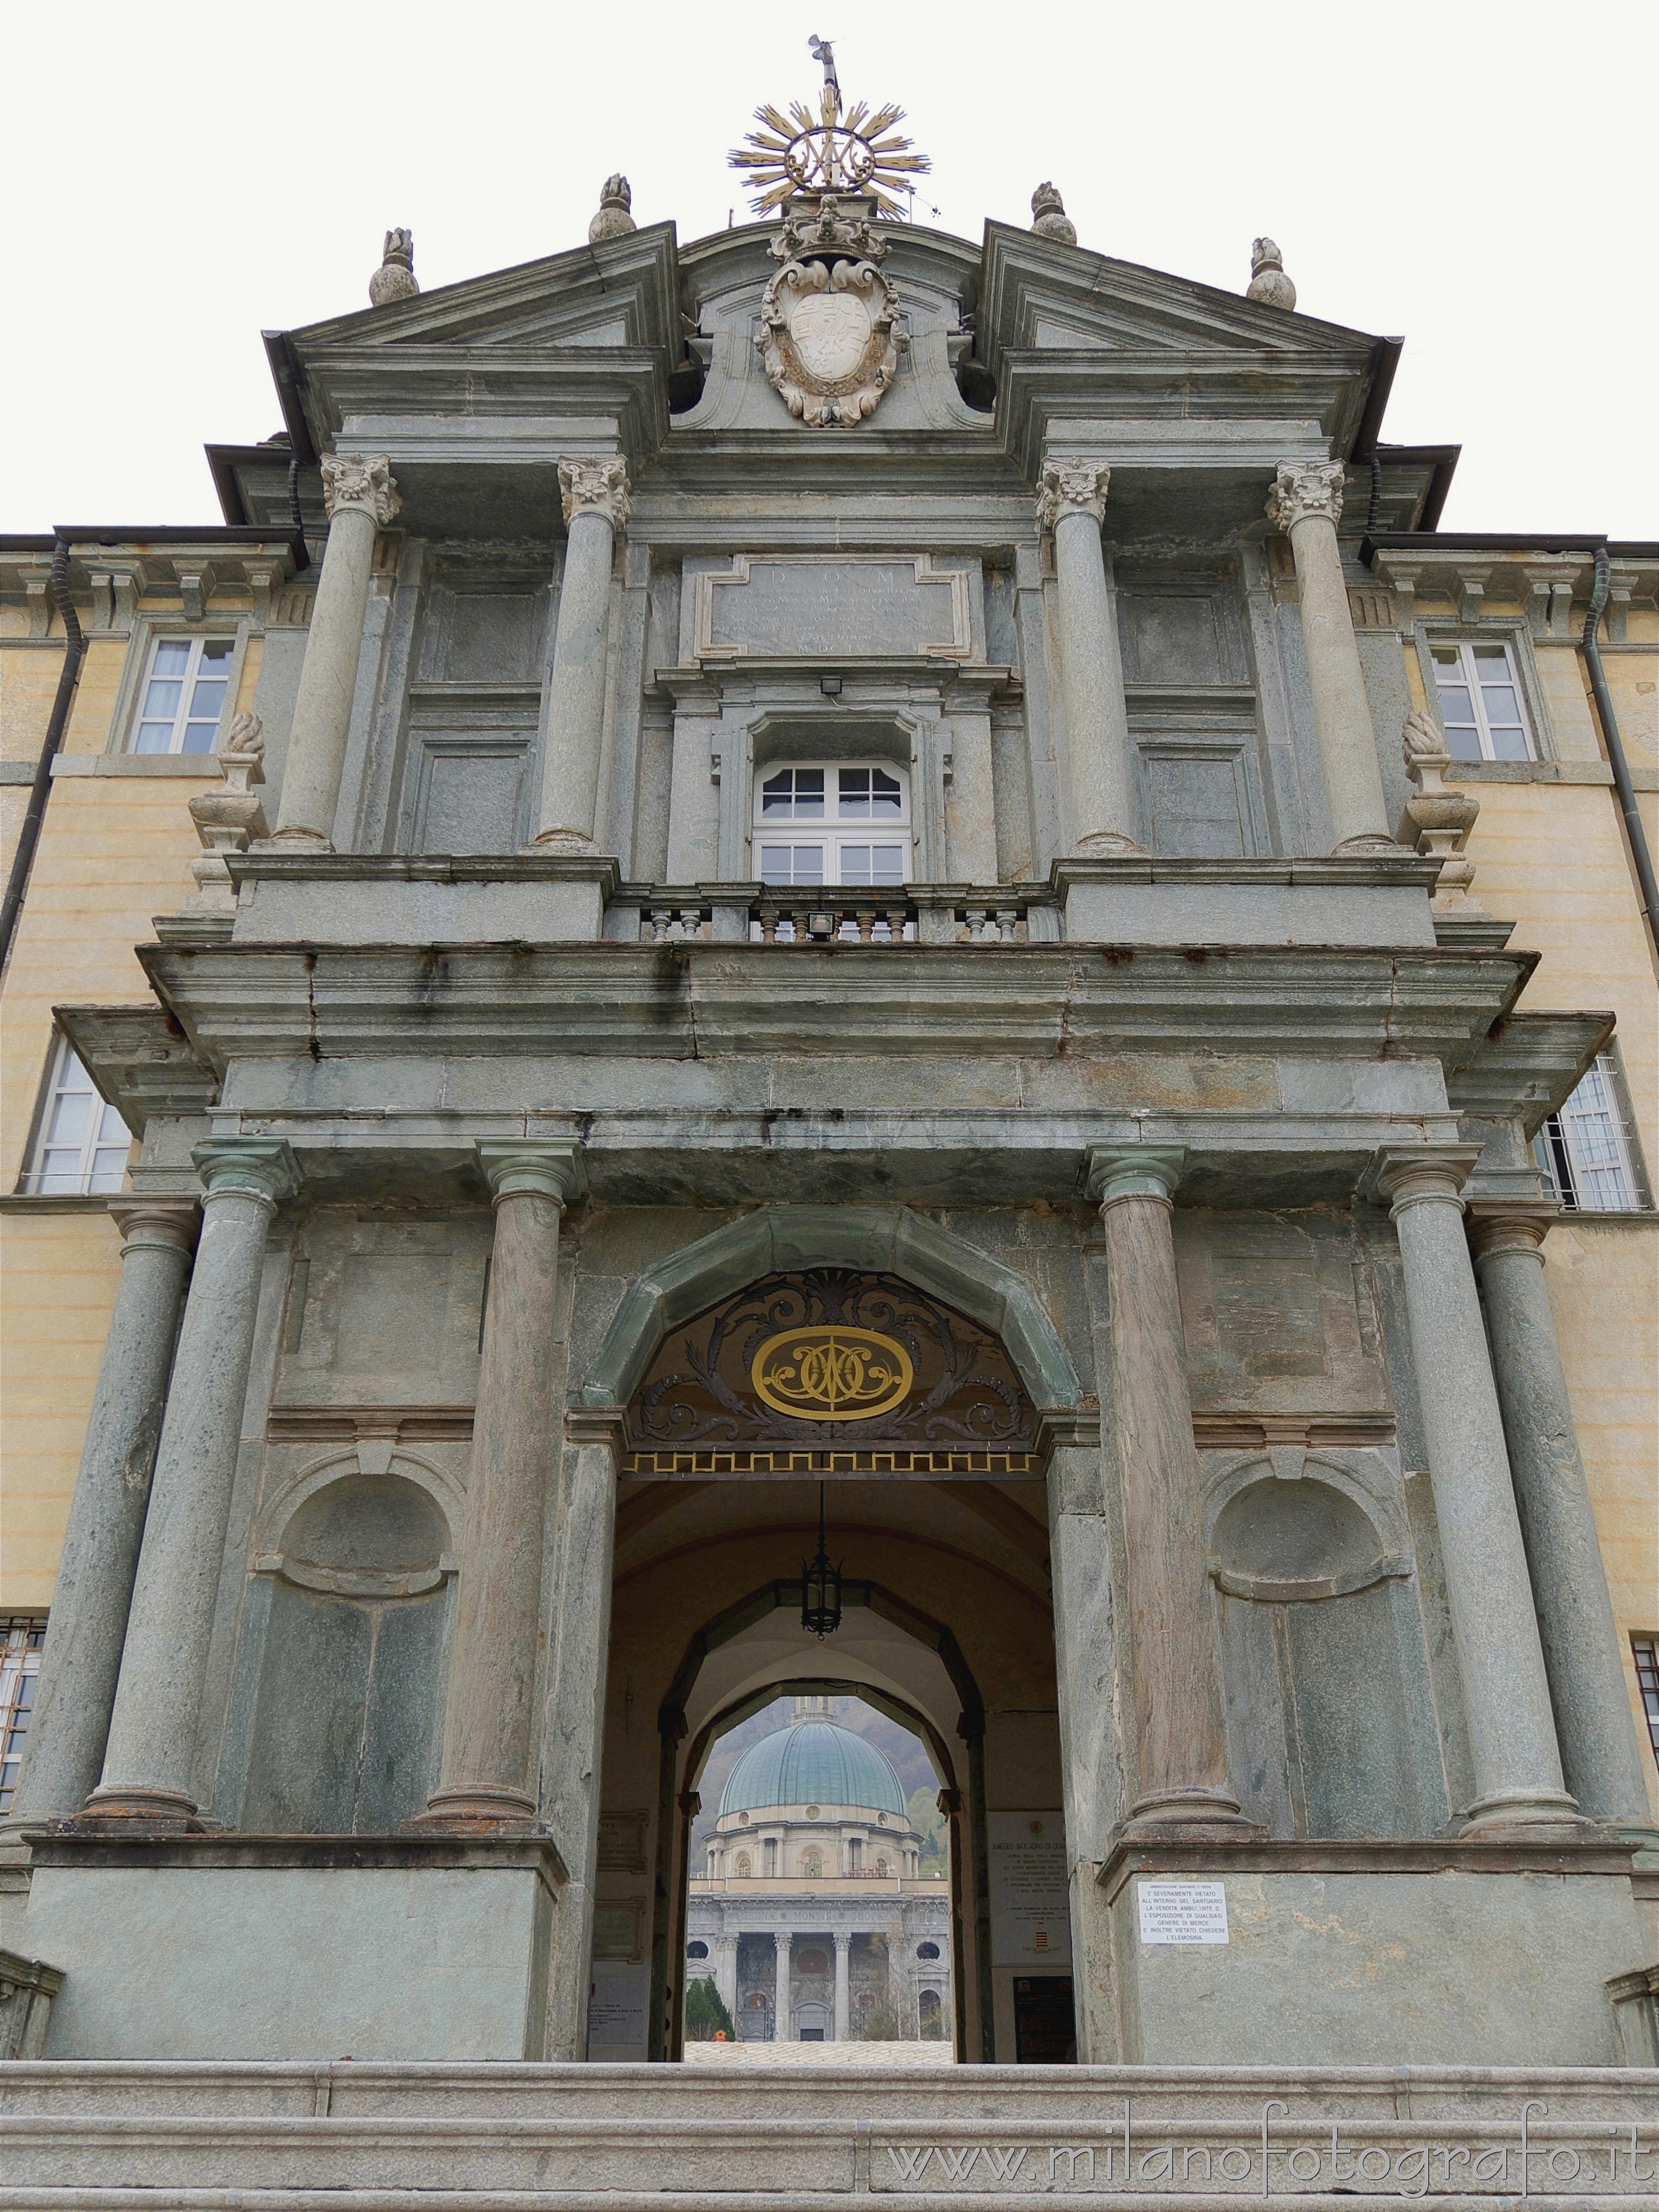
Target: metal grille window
(184,694)
(1585,1152)
(83,1144)
(1646,1649)
(1480,704)
(22,1635)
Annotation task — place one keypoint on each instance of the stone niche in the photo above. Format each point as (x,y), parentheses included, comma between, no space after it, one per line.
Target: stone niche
(384,1313)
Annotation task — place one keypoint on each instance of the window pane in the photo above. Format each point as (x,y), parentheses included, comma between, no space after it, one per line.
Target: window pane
(869,791)
(1446,656)
(112,1129)
(199,737)
(71,1118)
(792,864)
(154,737)
(207,699)
(794,792)
(1485,655)
(1463,743)
(1510,745)
(162,700)
(1498,700)
(172,656)
(872,864)
(217,652)
(1455,703)
(107,1174)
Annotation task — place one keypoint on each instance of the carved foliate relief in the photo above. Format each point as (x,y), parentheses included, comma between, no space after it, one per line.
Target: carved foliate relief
(830,331)
(830,1372)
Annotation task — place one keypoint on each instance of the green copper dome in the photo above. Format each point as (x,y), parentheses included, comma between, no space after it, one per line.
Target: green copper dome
(814,1763)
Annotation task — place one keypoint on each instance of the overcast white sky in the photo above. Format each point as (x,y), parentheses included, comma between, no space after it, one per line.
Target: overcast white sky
(1469,176)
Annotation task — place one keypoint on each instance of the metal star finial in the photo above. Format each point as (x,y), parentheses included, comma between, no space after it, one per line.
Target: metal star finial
(799,153)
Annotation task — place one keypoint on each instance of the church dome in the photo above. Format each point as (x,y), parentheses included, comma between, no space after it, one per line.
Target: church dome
(814,1763)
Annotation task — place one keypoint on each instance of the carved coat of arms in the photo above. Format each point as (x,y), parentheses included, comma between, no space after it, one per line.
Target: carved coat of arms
(831,329)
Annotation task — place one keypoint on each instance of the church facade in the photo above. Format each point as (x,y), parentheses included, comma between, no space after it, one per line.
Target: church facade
(812,1916)
(834,872)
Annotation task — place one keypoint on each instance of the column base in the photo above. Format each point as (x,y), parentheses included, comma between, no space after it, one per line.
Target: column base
(144,1812)
(480,1812)
(1187,1816)
(1528,1814)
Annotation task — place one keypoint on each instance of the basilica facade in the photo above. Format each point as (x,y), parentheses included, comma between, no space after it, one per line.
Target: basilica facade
(830,884)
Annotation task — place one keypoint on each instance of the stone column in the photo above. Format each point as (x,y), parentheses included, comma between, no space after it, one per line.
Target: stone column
(1071,502)
(572,1737)
(81,1660)
(780,2029)
(361,498)
(726,1973)
(1601,1758)
(596,506)
(1306,503)
(1517,1767)
(843,1985)
(1181,1740)
(149,1763)
(486,1785)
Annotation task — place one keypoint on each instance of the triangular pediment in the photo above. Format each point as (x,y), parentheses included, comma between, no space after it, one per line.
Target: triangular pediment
(618,296)
(1039,295)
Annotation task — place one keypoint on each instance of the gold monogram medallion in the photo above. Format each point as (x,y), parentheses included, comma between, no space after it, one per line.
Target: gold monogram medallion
(832,1373)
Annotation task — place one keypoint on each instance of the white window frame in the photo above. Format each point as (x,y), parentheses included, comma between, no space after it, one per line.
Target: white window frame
(1587,1152)
(22,1636)
(834,832)
(182,720)
(1469,677)
(67,1077)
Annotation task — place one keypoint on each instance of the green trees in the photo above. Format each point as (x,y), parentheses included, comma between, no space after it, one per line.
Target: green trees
(706,2013)
(929,1824)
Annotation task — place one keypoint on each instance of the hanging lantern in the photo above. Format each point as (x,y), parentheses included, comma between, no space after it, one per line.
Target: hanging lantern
(820,1600)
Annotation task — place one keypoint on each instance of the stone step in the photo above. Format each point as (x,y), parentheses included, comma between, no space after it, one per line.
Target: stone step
(84,2136)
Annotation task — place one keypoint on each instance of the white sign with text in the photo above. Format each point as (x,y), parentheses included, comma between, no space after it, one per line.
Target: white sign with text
(1183,1912)
(1030,1910)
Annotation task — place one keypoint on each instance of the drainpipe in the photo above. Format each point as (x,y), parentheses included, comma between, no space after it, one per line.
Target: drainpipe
(67,677)
(1635,834)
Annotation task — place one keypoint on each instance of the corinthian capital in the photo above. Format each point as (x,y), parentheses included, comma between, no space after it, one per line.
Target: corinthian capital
(361,480)
(1305,487)
(601,487)
(1072,488)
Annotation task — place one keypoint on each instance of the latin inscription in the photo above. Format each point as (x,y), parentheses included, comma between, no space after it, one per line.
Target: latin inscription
(1531,2157)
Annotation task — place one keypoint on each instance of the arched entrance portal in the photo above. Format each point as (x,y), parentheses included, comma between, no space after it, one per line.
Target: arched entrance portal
(839,1360)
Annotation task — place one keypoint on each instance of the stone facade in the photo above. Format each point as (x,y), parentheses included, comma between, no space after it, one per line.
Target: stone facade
(1111,1136)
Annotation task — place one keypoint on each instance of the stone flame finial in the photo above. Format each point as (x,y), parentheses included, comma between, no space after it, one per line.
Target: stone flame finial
(1268,281)
(1437,822)
(395,278)
(613,219)
(1049,218)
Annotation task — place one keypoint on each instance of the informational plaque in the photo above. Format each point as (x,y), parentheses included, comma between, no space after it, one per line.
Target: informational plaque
(1030,1910)
(616,2011)
(1183,1912)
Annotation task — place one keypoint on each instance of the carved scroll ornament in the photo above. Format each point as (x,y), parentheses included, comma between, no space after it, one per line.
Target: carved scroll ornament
(361,480)
(830,333)
(598,486)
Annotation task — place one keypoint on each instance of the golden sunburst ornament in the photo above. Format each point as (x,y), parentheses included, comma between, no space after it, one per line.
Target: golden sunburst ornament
(799,153)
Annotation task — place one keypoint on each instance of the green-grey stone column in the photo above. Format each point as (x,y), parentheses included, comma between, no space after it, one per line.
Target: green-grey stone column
(362,500)
(1180,1739)
(150,1761)
(1071,503)
(81,1660)
(1512,1745)
(1601,1758)
(596,506)
(486,1785)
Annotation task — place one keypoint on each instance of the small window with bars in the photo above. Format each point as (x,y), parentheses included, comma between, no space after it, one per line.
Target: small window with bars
(182,701)
(22,1635)
(1586,1153)
(1646,1649)
(83,1144)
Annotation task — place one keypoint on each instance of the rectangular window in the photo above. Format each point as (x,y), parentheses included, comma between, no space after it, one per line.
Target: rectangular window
(792,864)
(839,797)
(1646,1649)
(1481,706)
(83,1144)
(792,795)
(1585,1152)
(183,695)
(22,1635)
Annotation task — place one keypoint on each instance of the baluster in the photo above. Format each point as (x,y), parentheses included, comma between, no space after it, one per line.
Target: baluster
(1007,923)
(661,919)
(865,917)
(976,931)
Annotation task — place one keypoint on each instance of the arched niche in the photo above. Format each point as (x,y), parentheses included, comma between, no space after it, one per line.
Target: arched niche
(1323,1665)
(355,1584)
